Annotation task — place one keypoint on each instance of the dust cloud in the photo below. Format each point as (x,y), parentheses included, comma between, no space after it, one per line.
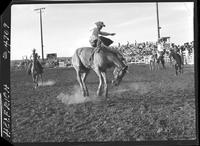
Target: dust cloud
(140,87)
(46,83)
(76,96)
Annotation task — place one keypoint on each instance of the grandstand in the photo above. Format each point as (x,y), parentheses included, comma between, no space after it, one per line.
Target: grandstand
(140,52)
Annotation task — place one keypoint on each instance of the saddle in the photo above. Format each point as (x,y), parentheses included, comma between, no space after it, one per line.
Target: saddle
(96,49)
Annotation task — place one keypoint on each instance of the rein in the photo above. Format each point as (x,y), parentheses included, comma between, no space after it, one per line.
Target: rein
(121,69)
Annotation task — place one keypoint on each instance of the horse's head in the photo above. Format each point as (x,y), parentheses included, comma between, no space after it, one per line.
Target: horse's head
(118,75)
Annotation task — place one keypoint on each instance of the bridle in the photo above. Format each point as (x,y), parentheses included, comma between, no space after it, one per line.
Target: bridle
(121,69)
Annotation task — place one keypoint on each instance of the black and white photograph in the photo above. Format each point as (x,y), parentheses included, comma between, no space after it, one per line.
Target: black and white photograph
(103,72)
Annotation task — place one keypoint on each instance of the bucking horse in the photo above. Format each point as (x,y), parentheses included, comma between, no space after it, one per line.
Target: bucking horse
(102,60)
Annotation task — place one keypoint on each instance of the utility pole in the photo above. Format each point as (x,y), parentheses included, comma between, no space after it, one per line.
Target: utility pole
(158,26)
(40,11)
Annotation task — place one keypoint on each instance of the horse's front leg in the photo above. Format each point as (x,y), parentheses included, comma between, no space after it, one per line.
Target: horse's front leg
(33,78)
(105,84)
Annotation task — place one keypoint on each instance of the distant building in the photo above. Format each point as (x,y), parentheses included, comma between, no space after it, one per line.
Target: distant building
(52,56)
(52,60)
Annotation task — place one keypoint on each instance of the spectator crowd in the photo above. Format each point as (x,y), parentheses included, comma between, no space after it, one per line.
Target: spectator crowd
(137,51)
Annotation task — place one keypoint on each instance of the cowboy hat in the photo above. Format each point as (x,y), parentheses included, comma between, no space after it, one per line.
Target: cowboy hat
(100,23)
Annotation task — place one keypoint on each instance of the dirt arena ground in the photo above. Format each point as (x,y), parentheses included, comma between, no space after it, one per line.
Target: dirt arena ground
(147,105)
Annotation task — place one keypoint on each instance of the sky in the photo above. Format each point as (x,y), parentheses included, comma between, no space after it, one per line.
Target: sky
(67,27)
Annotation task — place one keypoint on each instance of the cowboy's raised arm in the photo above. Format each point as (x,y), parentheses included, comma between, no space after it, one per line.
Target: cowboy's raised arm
(106,33)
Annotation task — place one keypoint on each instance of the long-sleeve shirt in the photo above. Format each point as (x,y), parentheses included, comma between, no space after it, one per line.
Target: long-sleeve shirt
(96,32)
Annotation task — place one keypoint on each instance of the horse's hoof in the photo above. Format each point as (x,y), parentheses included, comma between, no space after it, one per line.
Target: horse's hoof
(98,94)
(105,95)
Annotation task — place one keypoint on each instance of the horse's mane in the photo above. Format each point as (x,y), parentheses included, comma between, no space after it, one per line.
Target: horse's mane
(116,52)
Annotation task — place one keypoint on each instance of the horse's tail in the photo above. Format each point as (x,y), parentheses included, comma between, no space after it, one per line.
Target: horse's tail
(77,55)
(76,59)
